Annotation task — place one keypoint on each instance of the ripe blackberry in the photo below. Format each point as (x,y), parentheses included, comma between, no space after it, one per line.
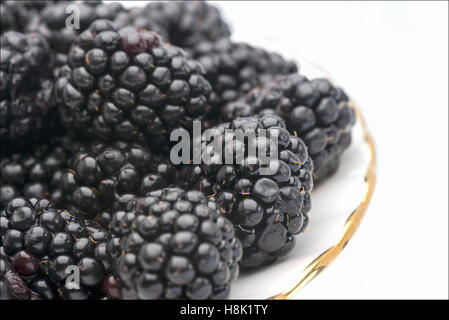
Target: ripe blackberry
(101,176)
(315,110)
(37,5)
(175,244)
(234,69)
(125,85)
(136,18)
(35,174)
(13,16)
(26,108)
(267,200)
(186,22)
(42,243)
(51,21)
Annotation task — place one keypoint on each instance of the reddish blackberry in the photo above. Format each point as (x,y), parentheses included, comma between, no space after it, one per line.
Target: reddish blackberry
(12,286)
(25,90)
(315,110)
(175,244)
(234,69)
(100,177)
(42,243)
(267,194)
(127,86)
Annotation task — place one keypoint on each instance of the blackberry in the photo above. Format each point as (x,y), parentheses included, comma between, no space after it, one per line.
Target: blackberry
(268,200)
(100,177)
(35,174)
(315,110)
(136,18)
(37,5)
(182,23)
(42,243)
(126,85)
(175,245)
(26,107)
(234,69)
(13,16)
(51,21)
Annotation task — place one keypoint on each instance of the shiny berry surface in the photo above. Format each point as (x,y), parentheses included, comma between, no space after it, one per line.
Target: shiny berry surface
(175,244)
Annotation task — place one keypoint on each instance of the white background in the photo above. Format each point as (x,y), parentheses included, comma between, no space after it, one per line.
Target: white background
(392,58)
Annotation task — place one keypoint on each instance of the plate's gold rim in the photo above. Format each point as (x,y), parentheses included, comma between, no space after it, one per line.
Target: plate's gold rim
(350,227)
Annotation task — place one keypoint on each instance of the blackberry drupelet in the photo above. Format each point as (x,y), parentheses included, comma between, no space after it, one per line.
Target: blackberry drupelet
(234,69)
(42,243)
(175,245)
(316,111)
(26,107)
(126,85)
(101,177)
(267,200)
(12,286)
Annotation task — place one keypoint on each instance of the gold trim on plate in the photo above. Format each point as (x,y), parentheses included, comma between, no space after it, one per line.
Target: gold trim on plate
(350,227)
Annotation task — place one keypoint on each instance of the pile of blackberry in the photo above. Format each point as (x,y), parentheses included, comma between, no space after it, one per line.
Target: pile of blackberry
(315,110)
(268,201)
(87,181)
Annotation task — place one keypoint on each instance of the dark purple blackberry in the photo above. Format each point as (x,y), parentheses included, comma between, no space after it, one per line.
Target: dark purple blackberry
(182,23)
(233,69)
(175,245)
(13,16)
(315,110)
(51,21)
(42,243)
(37,4)
(36,174)
(127,86)
(26,107)
(101,177)
(136,18)
(267,199)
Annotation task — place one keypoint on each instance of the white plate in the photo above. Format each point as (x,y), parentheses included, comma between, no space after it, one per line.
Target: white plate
(338,206)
